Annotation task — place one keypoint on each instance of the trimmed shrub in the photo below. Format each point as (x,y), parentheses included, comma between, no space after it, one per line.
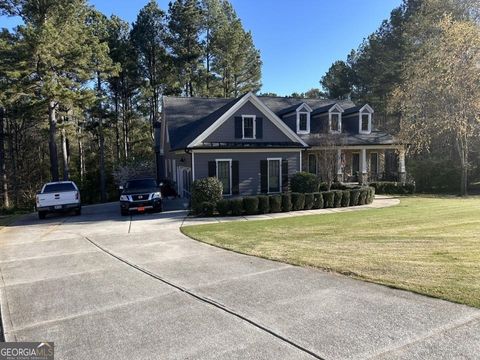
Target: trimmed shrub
(275,203)
(236,206)
(328,199)
(263,204)
(394,188)
(308,201)
(298,201)
(286,202)
(303,182)
(337,198)
(346,198)
(354,196)
(223,207)
(323,187)
(208,208)
(338,186)
(205,190)
(370,194)
(317,200)
(362,200)
(250,205)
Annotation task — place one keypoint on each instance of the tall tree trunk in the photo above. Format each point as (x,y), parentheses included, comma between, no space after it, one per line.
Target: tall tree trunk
(13,162)
(103,192)
(3,169)
(81,156)
(52,144)
(117,132)
(462,150)
(66,174)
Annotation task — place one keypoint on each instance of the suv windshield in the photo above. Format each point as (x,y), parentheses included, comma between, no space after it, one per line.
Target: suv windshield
(141,184)
(55,188)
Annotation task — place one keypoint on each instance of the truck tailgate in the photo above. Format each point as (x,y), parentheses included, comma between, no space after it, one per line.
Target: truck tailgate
(60,198)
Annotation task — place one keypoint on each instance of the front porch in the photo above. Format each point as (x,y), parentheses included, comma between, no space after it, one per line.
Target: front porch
(356,164)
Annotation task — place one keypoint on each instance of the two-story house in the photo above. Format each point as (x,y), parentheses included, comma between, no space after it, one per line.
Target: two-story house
(255,144)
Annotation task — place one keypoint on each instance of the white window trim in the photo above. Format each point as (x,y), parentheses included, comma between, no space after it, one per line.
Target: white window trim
(280,175)
(316,160)
(339,122)
(254,127)
(299,112)
(230,176)
(360,131)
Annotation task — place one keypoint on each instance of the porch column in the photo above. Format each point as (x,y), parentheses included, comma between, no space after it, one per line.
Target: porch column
(402,174)
(363,167)
(339,166)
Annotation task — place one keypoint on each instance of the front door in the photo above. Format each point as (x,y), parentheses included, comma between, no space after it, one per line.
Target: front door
(355,165)
(374,166)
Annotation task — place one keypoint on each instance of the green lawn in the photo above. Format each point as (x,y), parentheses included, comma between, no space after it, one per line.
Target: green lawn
(428,245)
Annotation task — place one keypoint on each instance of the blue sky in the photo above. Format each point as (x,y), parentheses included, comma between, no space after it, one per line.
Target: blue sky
(298,39)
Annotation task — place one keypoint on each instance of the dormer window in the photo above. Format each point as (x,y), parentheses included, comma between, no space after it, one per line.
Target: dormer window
(248,127)
(365,120)
(303,119)
(335,122)
(303,122)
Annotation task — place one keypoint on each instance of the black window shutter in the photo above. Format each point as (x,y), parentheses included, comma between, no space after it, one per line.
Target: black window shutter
(264,176)
(235,178)
(284,175)
(212,169)
(238,127)
(259,127)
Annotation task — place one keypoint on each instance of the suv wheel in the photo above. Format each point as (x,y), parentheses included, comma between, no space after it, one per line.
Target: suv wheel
(124,212)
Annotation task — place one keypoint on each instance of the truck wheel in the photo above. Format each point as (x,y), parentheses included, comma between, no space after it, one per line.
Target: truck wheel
(78,211)
(41,215)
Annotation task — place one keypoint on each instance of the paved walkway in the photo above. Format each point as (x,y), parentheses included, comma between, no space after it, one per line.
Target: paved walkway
(381,201)
(102,286)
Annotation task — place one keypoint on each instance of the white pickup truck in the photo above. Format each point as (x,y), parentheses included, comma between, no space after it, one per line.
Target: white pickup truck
(60,196)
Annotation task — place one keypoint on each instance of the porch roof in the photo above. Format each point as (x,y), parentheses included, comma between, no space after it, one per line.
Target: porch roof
(374,138)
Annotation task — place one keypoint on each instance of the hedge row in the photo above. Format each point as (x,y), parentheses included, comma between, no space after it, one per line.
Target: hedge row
(392,187)
(263,204)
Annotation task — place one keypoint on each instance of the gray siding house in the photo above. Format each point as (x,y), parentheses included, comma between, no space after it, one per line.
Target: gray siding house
(255,144)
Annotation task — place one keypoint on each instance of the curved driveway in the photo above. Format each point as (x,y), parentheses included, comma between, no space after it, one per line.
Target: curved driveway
(105,287)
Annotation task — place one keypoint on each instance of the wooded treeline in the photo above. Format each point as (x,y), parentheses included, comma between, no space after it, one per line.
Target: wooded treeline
(420,71)
(80,92)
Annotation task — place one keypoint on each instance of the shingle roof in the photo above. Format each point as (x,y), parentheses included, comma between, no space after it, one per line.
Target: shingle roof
(352,110)
(186,123)
(187,117)
(374,138)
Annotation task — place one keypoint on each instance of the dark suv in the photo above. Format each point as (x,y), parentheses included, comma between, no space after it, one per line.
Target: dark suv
(140,195)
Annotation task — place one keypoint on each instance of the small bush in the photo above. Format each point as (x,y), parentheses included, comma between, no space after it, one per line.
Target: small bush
(362,200)
(317,200)
(208,208)
(393,188)
(370,194)
(328,199)
(263,204)
(205,190)
(337,198)
(223,207)
(275,203)
(298,201)
(303,182)
(346,198)
(308,201)
(323,187)
(236,206)
(354,196)
(338,186)
(250,205)
(286,202)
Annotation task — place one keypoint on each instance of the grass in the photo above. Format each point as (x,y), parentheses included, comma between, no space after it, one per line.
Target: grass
(427,245)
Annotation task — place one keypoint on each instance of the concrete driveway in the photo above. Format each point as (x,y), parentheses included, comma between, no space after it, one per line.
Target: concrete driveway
(102,287)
